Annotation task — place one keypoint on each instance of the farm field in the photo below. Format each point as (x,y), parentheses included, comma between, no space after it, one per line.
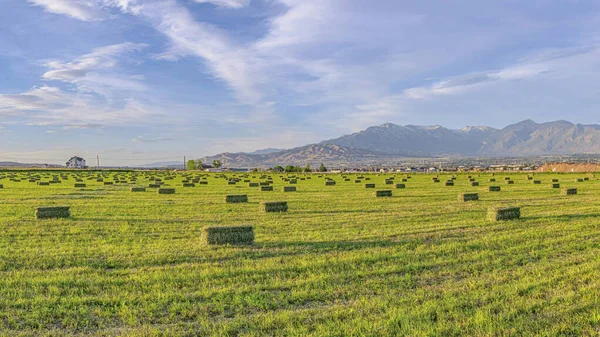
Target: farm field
(339,262)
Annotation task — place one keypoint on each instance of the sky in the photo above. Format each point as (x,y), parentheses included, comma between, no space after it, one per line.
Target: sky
(141,81)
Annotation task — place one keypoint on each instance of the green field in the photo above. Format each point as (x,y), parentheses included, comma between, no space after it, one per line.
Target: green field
(340,262)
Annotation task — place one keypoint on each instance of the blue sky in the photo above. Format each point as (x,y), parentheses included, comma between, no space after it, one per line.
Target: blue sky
(137,81)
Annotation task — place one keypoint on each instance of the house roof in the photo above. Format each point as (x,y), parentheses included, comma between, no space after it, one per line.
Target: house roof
(76,158)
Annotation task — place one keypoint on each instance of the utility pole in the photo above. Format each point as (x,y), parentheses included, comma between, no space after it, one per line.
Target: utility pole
(184,164)
(97,161)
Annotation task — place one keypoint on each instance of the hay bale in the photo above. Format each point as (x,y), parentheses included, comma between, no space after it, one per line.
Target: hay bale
(52,212)
(369,185)
(189,185)
(253,185)
(579,180)
(555,185)
(510,182)
(569,191)
(357,181)
(289,188)
(1,186)
(80,185)
(389,182)
(153,185)
(138,189)
(108,183)
(503,213)
(43,183)
(330,183)
(494,189)
(266,188)
(236,198)
(400,185)
(227,235)
(554,180)
(474,183)
(164,190)
(383,193)
(536,182)
(492,180)
(274,206)
(468,197)
(449,183)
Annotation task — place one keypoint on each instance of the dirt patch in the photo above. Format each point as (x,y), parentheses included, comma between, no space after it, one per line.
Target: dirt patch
(569,167)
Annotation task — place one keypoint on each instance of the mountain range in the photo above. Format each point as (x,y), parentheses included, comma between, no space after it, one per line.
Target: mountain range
(390,141)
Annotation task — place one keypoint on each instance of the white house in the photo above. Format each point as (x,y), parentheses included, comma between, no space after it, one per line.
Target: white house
(76,162)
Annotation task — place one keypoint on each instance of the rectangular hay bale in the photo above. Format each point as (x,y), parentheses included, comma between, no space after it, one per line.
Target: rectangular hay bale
(383,193)
(52,212)
(274,206)
(165,190)
(224,235)
(503,213)
(468,197)
(236,198)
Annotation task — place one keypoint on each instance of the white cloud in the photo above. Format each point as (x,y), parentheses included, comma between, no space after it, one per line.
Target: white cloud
(236,4)
(83,10)
(145,139)
(95,70)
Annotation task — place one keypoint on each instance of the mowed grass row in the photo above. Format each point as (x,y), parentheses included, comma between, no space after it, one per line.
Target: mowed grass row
(340,262)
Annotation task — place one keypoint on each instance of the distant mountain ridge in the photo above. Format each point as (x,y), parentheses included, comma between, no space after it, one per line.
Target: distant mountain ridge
(526,138)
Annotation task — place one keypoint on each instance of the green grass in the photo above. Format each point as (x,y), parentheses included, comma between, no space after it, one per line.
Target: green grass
(340,262)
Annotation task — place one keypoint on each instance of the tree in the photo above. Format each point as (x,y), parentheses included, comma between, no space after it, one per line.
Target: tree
(307,168)
(199,164)
(216,163)
(322,168)
(191,165)
(290,168)
(278,168)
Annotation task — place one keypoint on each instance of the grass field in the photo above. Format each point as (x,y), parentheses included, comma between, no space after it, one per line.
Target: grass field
(340,262)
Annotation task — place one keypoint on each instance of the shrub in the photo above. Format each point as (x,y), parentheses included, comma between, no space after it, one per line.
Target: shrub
(369,185)
(503,213)
(383,193)
(1,186)
(236,198)
(555,185)
(165,190)
(138,189)
(536,182)
(400,186)
(510,182)
(389,182)
(274,206)
(154,185)
(52,212)
(189,185)
(449,183)
(468,197)
(43,183)
(80,185)
(494,189)
(108,183)
(579,180)
(253,185)
(289,188)
(223,235)
(357,181)
(554,180)
(492,180)
(569,191)
(266,188)
(474,183)
(330,183)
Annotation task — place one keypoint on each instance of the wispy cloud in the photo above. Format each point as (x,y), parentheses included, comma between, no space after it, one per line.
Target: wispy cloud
(227,3)
(146,139)
(83,10)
